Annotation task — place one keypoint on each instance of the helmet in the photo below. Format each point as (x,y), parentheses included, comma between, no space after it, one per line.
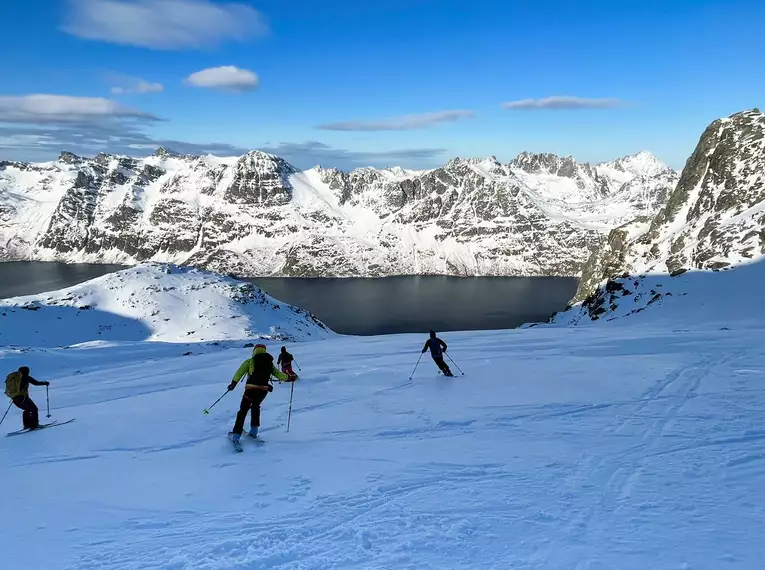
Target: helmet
(259,349)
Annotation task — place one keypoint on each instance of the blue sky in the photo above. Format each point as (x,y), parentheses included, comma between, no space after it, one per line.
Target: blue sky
(365,82)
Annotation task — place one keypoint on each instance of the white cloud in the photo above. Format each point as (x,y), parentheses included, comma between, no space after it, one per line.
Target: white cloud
(406,123)
(562,102)
(138,86)
(225,78)
(44,108)
(163,24)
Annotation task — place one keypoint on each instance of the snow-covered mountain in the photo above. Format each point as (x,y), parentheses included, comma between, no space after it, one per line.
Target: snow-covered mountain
(257,215)
(714,219)
(157,302)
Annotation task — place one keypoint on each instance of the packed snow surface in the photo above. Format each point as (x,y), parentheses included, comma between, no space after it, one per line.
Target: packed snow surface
(634,444)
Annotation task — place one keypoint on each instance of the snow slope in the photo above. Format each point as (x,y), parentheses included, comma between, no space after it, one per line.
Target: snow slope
(635,444)
(156,302)
(697,298)
(257,215)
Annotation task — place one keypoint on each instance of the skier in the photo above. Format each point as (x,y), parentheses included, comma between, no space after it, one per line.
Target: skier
(285,361)
(259,369)
(437,348)
(17,389)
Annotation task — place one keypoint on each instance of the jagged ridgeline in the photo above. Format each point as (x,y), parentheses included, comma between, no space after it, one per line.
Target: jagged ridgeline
(257,215)
(714,218)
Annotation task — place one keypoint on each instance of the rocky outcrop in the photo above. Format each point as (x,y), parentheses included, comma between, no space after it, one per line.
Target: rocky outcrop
(713,219)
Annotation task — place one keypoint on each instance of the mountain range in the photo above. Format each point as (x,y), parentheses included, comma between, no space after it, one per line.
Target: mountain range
(257,215)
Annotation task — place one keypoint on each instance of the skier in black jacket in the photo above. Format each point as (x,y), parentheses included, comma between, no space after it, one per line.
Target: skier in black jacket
(437,348)
(17,388)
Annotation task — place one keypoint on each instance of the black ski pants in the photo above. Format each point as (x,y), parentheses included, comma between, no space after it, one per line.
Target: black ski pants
(439,360)
(250,403)
(30,415)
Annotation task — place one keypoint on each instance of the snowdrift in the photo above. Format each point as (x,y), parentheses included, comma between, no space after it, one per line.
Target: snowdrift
(701,298)
(156,302)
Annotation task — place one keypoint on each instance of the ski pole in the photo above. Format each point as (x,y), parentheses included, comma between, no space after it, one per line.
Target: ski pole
(416,365)
(207,410)
(289,416)
(47,399)
(6,411)
(455,364)
(296,364)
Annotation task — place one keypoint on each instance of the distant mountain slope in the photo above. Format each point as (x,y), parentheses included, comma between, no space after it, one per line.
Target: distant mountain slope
(154,302)
(257,215)
(714,219)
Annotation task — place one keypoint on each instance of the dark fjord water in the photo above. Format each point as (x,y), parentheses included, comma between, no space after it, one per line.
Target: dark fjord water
(361,306)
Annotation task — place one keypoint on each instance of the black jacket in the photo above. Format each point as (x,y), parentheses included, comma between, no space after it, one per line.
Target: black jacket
(24,385)
(436,346)
(284,358)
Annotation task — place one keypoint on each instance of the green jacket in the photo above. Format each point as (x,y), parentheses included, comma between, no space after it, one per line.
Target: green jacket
(259,369)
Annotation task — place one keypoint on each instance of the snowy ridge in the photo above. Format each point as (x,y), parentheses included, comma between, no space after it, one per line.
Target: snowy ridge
(154,302)
(257,215)
(713,219)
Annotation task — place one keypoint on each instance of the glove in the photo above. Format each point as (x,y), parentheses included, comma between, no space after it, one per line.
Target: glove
(270,388)
(46,383)
(231,386)
(423,350)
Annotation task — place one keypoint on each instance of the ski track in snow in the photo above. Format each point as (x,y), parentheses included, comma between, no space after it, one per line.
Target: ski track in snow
(600,448)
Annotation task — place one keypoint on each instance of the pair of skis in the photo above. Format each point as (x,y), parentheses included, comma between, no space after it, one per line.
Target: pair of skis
(40,427)
(237,444)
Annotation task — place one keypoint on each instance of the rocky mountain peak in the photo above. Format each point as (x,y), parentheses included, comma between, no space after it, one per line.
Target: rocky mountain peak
(713,219)
(642,163)
(547,163)
(164,152)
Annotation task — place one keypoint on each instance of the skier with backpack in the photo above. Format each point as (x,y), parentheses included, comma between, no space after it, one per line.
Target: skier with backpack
(259,368)
(17,389)
(437,348)
(285,360)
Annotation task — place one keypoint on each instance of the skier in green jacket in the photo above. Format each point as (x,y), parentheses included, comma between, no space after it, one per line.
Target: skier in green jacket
(259,369)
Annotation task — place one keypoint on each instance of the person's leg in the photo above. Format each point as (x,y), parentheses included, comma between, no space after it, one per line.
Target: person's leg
(442,365)
(30,415)
(257,399)
(287,369)
(244,407)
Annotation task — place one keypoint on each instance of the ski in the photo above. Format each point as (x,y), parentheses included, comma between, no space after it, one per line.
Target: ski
(40,427)
(256,438)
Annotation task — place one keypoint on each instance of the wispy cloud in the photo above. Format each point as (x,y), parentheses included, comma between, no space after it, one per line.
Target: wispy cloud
(312,153)
(139,86)
(225,78)
(562,102)
(44,108)
(45,142)
(163,24)
(405,123)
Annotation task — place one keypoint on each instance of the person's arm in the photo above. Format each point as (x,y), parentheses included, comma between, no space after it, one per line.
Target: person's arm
(36,382)
(443,344)
(279,375)
(424,348)
(241,371)
(279,360)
